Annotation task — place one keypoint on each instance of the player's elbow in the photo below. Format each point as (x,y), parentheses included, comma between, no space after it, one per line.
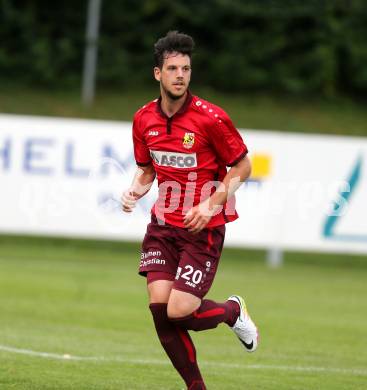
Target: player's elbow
(248,168)
(245,168)
(147,169)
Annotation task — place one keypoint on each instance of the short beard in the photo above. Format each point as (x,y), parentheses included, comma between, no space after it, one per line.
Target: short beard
(170,95)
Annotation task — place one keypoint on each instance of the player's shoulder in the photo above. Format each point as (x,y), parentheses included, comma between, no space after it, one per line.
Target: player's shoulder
(146,109)
(209,110)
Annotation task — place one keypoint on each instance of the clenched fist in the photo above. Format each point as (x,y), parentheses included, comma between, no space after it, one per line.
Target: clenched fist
(128,201)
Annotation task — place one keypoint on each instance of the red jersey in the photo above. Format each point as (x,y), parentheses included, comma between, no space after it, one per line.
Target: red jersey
(189,152)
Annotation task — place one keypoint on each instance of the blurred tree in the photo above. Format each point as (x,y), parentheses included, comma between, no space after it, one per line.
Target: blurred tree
(40,43)
(313,47)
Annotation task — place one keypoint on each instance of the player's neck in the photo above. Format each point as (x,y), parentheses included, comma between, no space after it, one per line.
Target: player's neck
(171,106)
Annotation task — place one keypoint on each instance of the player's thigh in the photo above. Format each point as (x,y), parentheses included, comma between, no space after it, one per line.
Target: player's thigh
(182,304)
(159,291)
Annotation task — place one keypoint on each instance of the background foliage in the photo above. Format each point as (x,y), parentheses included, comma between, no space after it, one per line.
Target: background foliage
(314,47)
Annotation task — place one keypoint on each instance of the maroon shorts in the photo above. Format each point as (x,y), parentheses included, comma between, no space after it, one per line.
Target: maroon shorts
(190,259)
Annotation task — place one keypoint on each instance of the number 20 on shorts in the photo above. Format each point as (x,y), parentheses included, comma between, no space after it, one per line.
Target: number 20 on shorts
(189,274)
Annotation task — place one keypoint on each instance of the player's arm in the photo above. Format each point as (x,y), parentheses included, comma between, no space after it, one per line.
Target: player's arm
(200,215)
(231,150)
(141,184)
(230,184)
(145,173)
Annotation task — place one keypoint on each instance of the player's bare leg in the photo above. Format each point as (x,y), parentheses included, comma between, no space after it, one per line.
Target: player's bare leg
(181,304)
(159,291)
(193,313)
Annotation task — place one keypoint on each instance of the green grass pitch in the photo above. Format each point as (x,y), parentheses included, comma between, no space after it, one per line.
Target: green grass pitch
(83,300)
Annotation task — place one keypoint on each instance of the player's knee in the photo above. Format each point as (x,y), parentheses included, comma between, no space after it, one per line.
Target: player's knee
(159,291)
(179,309)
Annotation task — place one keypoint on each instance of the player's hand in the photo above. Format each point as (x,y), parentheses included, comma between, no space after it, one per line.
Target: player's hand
(198,217)
(128,201)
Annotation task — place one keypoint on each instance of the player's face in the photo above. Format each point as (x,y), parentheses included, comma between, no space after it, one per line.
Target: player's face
(175,75)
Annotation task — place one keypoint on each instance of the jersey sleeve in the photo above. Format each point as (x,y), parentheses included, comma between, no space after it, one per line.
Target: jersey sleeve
(141,150)
(227,141)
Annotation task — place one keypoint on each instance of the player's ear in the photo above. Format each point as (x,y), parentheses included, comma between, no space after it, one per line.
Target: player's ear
(157,73)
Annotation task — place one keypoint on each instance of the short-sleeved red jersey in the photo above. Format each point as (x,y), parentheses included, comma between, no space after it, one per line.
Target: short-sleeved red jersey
(189,152)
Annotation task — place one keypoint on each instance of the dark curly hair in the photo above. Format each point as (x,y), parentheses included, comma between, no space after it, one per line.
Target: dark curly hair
(172,42)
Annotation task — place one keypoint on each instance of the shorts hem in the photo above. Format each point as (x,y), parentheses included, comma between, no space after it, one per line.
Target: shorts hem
(145,273)
(196,294)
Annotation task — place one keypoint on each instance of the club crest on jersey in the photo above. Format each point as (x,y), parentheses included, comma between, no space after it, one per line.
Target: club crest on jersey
(188,140)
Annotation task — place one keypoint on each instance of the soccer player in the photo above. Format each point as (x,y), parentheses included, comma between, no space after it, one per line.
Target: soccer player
(187,143)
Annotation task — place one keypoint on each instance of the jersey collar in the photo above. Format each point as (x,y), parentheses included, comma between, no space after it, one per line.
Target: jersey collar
(183,108)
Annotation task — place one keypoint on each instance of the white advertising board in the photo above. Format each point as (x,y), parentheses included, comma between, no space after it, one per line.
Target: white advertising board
(64,177)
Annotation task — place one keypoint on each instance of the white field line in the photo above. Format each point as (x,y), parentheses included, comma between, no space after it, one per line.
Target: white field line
(47,355)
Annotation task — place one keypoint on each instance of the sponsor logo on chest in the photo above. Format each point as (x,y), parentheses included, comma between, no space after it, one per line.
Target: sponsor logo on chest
(173,159)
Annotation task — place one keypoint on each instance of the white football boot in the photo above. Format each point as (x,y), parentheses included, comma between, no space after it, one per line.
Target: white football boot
(244,328)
